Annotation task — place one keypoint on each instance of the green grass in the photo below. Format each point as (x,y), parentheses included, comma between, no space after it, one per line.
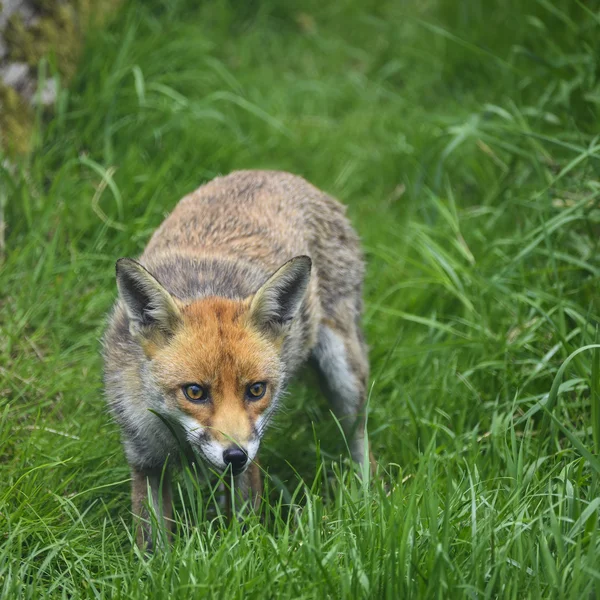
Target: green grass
(463,138)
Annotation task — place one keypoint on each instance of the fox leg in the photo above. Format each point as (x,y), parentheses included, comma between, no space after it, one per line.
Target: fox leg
(247,490)
(160,500)
(254,483)
(341,357)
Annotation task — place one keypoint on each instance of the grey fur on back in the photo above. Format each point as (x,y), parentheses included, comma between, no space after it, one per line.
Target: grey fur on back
(260,219)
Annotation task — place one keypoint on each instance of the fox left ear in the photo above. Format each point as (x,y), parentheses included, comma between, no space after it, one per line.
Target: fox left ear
(277,302)
(150,307)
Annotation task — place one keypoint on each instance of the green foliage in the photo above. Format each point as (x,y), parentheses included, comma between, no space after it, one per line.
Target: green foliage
(462,138)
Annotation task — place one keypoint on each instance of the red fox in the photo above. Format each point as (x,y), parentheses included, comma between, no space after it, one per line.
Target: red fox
(251,275)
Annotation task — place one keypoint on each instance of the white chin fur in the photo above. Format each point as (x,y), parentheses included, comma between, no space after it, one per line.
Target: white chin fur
(252,449)
(213,453)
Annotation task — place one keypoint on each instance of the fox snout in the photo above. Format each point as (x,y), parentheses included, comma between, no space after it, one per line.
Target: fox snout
(227,456)
(236,458)
(222,451)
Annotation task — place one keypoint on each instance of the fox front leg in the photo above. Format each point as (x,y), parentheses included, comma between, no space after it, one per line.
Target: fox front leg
(151,505)
(246,493)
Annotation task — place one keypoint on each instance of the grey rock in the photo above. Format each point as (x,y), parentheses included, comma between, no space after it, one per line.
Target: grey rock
(14,74)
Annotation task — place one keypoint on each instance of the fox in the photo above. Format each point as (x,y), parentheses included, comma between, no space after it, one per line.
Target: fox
(252,275)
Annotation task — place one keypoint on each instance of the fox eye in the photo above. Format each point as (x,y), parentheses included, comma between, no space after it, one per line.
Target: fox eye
(255,391)
(195,393)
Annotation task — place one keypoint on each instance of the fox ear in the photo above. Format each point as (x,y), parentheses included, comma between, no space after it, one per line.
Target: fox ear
(277,302)
(151,309)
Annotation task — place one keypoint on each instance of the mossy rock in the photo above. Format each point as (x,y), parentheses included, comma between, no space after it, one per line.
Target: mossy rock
(56,33)
(16,119)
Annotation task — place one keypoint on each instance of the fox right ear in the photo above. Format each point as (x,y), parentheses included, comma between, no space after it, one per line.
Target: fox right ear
(150,307)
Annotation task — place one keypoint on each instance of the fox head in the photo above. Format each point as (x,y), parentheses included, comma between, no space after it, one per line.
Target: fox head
(214,364)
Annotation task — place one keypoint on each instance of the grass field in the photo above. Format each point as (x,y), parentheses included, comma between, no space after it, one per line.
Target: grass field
(463,138)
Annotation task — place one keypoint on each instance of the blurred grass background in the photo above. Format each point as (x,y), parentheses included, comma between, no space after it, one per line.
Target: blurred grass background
(463,138)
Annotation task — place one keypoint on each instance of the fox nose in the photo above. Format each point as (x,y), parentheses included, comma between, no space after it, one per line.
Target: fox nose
(237,458)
